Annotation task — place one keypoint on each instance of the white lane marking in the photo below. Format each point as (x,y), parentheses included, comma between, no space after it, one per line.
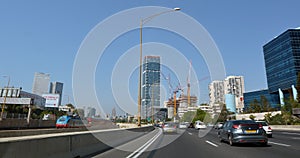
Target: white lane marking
(140,150)
(190,133)
(296,138)
(281,144)
(290,133)
(215,145)
(146,147)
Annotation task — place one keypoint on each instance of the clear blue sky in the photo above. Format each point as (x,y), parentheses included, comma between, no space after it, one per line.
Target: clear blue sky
(44,36)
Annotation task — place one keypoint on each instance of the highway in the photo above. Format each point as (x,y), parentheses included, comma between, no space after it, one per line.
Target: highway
(204,143)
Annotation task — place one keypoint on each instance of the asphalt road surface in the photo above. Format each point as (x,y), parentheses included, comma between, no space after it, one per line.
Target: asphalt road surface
(204,143)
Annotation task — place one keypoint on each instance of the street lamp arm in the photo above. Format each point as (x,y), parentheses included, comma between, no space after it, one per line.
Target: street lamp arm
(147,19)
(142,22)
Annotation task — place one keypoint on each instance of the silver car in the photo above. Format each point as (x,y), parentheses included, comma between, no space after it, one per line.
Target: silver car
(243,131)
(169,127)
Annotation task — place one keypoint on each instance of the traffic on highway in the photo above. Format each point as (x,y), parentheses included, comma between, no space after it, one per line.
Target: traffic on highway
(191,142)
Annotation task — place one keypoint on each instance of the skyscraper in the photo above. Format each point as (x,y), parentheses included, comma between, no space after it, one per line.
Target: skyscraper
(40,83)
(282,62)
(57,88)
(150,86)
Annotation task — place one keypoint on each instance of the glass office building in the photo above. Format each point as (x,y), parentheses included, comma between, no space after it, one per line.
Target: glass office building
(150,86)
(282,61)
(57,88)
(249,97)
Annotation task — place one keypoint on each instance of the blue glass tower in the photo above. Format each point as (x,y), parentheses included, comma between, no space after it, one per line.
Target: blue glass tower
(282,62)
(150,86)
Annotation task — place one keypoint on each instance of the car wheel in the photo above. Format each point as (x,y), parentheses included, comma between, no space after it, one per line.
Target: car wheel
(270,135)
(230,140)
(264,144)
(220,139)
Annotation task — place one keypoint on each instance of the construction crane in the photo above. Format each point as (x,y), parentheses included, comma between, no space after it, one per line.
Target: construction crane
(189,85)
(175,104)
(175,91)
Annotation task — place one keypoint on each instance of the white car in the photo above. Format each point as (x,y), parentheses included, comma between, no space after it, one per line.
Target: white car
(266,127)
(200,125)
(182,125)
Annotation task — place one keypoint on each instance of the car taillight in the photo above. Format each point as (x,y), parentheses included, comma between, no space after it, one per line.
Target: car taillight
(163,126)
(270,128)
(235,126)
(260,126)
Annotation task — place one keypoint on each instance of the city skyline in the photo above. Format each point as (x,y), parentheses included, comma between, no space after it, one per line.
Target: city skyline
(238,34)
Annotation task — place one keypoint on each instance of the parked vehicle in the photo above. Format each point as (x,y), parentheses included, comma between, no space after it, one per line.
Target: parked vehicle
(169,127)
(200,125)
(266,127)
(242,131)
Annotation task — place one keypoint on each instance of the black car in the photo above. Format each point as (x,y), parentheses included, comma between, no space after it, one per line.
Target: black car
(242,131)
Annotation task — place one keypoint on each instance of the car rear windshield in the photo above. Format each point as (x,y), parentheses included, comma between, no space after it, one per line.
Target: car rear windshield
(244,122)
(263,123)
(169,124)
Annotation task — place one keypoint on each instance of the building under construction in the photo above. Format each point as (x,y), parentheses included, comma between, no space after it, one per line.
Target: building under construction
(182,105)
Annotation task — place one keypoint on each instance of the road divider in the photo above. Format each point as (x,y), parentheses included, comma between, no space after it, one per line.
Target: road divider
(74,144)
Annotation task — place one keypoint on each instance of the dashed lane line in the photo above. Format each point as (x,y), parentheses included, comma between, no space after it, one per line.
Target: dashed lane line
(281,144)
(215,145)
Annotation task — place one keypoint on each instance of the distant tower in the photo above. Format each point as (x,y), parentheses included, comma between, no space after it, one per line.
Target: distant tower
(150,86)
(40,83)
(57,88)
(113,113)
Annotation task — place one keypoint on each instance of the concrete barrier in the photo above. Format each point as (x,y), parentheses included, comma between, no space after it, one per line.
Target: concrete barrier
(75,144)
(286,127)
(22,124)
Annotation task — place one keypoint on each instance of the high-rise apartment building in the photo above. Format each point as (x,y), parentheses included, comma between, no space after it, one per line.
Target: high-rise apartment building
(41,83)
(229,91)
(234,90)
(216,92)
(57,88)
(150,86)
(282,62)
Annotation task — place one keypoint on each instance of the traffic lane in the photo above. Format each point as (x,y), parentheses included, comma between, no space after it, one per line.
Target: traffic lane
(186,145)
(287,138)
(274,149)
(189,144)
(127,149)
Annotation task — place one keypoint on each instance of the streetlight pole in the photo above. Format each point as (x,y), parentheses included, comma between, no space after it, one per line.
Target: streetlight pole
(5,95)
(142,22)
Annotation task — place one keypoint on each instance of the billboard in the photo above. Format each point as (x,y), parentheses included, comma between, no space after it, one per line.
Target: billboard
(52,100)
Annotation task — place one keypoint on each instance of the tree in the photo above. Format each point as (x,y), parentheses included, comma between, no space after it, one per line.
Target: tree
(255,106)
(200,115)
(265,105)
(252,117)
(70,106)
(224,113)
(188,116)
